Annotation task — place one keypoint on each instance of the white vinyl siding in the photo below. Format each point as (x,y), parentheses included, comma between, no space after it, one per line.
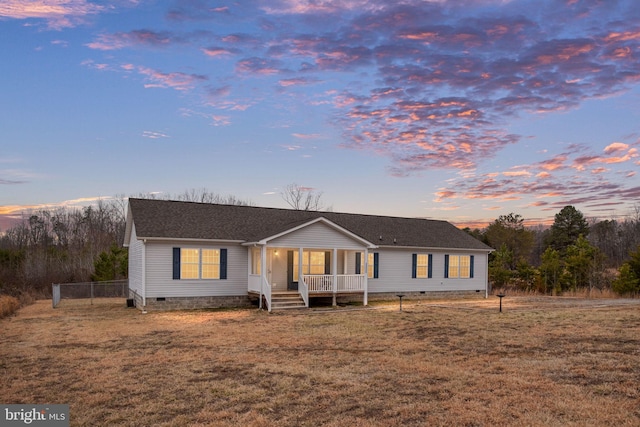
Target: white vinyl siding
(316,236)
(136,251)
(159,272)
(395,273)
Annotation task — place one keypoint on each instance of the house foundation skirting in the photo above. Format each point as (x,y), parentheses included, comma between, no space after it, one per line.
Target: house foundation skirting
(389,296)
(191,303)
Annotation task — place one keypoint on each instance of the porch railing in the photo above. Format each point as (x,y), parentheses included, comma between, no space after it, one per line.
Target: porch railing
(266,292)
(318,283)
(303,289)
(350,282)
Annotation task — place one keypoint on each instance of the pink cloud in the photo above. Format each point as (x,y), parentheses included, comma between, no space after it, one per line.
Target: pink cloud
(306,135)
(616,147)
(298,81)
(259,66)
(176,80)
(58,14)
(216,51)
(133,38)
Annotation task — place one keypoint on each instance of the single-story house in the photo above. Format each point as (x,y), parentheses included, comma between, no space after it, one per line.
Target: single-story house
(189,255)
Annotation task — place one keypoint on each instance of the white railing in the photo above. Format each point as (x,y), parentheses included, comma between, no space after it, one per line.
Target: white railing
(319,282)
(254,282)
(266,292)
(324,282)
(350,282)
(303,289)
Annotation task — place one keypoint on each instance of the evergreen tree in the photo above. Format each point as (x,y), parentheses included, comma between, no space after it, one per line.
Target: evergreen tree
(581,264)
(499,271)
(634,262)
(569,224)
(551,270)
(111,265)
(627,281)
(509,230)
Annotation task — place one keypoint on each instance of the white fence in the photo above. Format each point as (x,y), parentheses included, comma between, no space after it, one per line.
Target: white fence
(90,290)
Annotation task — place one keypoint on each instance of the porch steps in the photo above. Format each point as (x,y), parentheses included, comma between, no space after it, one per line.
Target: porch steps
(286,300)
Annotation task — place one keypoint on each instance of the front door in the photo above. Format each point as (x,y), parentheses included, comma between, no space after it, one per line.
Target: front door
(291,285)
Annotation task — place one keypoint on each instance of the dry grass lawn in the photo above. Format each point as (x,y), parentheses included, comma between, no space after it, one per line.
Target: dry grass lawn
(544,361)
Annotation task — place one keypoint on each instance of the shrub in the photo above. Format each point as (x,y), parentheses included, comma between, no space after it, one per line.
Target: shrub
(8,305)
(627,282)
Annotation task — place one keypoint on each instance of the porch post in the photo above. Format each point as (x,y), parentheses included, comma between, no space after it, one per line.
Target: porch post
(345,259)
(365,298)
(334,271)
(300,272)
(263,262)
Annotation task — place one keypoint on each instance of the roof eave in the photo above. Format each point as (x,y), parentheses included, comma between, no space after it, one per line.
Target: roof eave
(436,248)
(188,239)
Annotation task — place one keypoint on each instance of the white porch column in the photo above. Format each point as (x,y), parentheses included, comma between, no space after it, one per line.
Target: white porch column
(345,260)
(334,271)
(365,299)
(300,272)
(263,262)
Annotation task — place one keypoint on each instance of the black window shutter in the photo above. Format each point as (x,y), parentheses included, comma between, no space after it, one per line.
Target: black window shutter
(414,266)
(223,264)
(471,268)
(376,262)
(446,266)
(358,261)
(327,262)
(176,263)
(430,267)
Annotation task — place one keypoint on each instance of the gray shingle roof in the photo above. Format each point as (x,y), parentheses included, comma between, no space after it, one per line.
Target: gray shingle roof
(188,220)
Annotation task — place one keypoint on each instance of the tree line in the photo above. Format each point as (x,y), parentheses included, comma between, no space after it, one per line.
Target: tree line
(65,245)
(574,253)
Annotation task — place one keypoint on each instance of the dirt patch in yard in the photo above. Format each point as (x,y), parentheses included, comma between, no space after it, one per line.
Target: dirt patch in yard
(543,361)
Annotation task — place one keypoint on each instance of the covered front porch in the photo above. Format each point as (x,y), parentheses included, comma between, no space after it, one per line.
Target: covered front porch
(314,258)
(291,276)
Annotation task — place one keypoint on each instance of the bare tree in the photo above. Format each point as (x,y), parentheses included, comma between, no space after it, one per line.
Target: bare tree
(201,195)
(302,198)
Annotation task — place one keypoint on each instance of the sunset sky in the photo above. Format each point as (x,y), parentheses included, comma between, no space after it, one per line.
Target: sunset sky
(459,110)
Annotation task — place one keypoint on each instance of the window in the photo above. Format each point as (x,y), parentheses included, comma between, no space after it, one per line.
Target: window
(210,264)
(459,266)
(313,262)
(191,263)
(369,265)
(256,260)
(421,266)
(373,260)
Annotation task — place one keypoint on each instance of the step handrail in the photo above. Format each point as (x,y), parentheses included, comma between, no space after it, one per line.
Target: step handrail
(304,292)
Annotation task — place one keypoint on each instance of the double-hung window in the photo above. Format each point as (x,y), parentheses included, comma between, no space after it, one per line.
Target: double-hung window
(458,266)
(373,260)
(422,266)
(207,264)
(256,260)
(210,264)
(313,262)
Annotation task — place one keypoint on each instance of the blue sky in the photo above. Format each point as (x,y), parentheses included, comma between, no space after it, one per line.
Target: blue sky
(458,110)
